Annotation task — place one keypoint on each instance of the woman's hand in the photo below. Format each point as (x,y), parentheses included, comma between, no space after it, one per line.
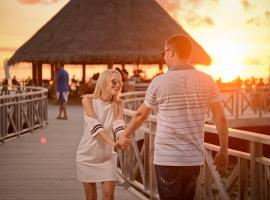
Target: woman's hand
(116,146)
(124,141)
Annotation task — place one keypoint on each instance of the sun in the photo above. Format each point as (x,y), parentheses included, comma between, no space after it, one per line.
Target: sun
(228,59)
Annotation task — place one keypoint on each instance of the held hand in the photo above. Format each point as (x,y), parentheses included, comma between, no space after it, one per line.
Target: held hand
(221,160)
(117,146)
(124,140)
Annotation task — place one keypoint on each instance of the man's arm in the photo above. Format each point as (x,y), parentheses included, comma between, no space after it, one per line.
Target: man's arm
(221,158)
(138,119)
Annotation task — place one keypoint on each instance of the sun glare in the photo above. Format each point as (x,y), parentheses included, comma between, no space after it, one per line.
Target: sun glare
(228,59)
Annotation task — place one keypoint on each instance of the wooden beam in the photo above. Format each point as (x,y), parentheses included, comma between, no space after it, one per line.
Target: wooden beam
(256,171)
(52,72)
(34,73)
(83,73)
(39,74)
(110,66)
(53,75)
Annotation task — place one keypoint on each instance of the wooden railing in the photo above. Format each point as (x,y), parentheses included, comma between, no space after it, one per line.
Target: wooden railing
(248,175)
(22,109)
(241,103)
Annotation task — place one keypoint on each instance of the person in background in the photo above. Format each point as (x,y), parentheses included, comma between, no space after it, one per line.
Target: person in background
(182,96)
(103,119)
(62,91)
(15,82)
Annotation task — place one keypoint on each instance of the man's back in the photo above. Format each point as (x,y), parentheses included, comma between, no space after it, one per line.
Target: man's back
(182,98)
(62,81)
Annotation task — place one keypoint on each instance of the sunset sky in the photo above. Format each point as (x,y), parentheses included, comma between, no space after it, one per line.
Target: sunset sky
(236,33)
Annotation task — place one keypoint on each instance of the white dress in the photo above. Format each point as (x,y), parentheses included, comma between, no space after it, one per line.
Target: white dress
(96,159)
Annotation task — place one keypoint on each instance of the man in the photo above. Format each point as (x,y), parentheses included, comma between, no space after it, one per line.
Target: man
(62,93)
(182,96)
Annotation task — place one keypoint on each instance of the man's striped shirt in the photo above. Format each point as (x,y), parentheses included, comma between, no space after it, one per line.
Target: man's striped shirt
(182,98)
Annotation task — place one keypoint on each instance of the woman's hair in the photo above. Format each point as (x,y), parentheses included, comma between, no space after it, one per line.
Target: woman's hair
(102,83)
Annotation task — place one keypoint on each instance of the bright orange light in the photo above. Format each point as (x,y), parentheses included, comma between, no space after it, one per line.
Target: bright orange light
(228,59)
(43,140)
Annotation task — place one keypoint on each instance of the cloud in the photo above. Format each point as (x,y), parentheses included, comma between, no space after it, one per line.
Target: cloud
(246,4)
(267,14)
(195,20)
(209,21)
(7,49)
(170,6)
(254,21)
(183,10)
(252,62)
(36,1)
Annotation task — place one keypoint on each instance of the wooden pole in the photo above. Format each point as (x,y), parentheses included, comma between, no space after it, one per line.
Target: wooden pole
(160,67)
(39,74)
(34,73)
(83,73)
(52,72)
(110,66)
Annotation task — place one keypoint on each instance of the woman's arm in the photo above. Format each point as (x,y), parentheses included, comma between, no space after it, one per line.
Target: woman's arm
(89,111)
(124,142)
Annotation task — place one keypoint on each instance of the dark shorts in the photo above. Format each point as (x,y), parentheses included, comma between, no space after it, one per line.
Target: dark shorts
(176,182)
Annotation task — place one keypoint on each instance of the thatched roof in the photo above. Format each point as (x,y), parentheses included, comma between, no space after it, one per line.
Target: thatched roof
(104,31)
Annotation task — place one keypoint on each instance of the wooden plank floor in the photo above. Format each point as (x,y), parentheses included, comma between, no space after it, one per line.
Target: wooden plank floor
(30,170)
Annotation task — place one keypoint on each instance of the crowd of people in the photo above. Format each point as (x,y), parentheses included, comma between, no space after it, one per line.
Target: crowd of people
(249,83)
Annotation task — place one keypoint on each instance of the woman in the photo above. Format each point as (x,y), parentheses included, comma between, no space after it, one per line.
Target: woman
(103,115)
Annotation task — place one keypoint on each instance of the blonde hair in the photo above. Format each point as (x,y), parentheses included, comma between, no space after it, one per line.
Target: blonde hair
(101,85)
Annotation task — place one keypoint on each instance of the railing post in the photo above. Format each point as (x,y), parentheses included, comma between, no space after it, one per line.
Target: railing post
(267,182)
(5,132)
(19,116)
(42,103)
(256,171)
(260,91)
(32,117)
(237,99)
(2,121)
(242,179)
(147,164)
(153,186)
(200,192)
(208,182)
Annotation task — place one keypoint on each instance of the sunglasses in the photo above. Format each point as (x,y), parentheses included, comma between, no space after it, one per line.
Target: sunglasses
(116,81)
(164,51)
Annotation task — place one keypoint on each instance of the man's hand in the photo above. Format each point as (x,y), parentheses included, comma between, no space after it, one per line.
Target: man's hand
(124,140)
(221,160)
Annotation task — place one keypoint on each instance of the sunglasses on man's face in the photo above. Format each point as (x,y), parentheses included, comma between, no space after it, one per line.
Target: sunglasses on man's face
(116,81)
(164,51)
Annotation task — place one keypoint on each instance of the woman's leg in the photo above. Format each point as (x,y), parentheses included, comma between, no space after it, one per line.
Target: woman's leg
(90,191)
(108,190)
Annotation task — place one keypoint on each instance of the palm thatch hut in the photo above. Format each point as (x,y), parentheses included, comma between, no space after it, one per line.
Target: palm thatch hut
(103,32)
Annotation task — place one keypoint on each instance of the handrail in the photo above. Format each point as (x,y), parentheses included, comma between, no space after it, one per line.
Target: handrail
(23,111)
(138,171)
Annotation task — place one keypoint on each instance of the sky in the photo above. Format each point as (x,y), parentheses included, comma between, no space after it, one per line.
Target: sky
(236,33)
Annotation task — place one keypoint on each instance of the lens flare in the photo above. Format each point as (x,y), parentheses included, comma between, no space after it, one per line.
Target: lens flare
(43,140)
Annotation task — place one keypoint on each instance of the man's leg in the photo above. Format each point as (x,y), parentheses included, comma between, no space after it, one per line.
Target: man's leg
(176,182)
(190,175)
(64,101)
(64,110)
(168,182)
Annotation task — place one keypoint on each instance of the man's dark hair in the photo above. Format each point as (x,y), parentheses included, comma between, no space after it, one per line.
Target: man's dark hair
(181,44)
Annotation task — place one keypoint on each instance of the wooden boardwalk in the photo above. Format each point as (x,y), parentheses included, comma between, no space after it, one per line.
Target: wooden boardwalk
(31,170)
